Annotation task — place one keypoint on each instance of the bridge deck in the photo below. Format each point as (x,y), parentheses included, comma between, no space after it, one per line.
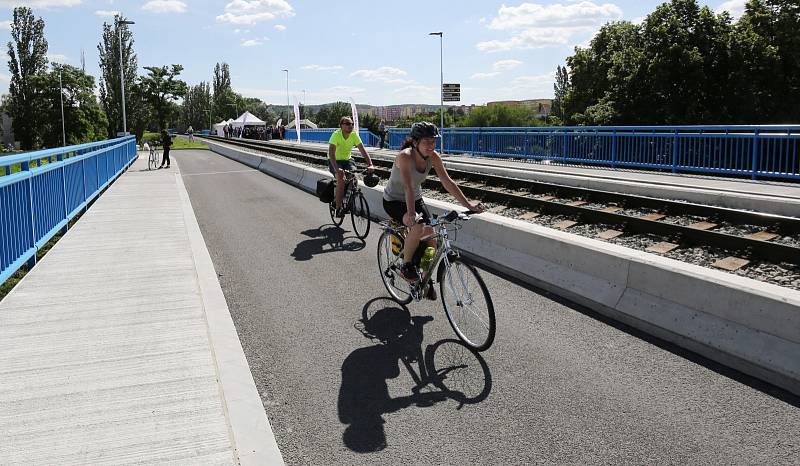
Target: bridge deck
(119,346)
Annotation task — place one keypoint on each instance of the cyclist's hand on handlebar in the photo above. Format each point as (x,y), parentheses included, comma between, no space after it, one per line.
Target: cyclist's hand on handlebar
(410,218)
(476,206)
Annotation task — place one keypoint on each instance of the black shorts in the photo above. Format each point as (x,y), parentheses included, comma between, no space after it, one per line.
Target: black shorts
(343,164)
(397,209)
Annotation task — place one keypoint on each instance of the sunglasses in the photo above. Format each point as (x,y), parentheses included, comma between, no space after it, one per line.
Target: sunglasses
(347,124)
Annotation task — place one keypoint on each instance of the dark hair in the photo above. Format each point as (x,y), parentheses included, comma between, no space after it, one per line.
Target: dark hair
(407,143)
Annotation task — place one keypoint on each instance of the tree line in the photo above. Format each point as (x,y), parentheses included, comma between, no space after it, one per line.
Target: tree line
(684,64)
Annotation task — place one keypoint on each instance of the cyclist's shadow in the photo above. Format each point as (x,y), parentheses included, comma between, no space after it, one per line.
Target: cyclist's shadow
(327,238)
(446,369)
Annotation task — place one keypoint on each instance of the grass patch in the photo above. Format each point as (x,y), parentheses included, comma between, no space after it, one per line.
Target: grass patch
(178,142)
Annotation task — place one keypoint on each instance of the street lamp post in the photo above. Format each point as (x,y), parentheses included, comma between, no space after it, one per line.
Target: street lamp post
(61,94)
(441,86)
(287,96)
(122,74)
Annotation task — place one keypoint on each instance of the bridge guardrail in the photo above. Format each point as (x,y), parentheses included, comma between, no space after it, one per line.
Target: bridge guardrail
(41,191)
(755,151)
(323,134)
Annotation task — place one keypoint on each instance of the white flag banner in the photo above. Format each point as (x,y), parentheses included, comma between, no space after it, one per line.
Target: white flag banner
(297,119)
(355,114)
(278,123)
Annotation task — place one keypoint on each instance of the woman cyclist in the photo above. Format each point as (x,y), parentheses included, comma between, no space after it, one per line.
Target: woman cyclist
(402,197)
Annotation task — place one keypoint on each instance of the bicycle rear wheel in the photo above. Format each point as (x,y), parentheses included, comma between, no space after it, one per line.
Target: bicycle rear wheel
(389,267)
(150,160)
(359,216)
(468,305)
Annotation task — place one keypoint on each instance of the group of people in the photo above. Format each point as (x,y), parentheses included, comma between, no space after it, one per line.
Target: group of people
(402,196)
(260,133)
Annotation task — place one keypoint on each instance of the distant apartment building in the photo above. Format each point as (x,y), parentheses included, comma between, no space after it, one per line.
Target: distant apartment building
(540,106)
(389,114)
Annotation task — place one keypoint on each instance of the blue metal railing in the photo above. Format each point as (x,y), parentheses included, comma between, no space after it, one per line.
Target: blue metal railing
(764,151)
(323,134)
(41,191)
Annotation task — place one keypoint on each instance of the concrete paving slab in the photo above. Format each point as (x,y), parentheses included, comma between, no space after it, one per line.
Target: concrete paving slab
(114,348)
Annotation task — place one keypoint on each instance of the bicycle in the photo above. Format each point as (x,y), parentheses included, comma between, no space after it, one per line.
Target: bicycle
(155,157)
(461,287)
(353,202)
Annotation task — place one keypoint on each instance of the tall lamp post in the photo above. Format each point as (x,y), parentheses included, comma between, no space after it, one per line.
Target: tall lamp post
(441,86)
(61,94)
(122,75)
(287,96)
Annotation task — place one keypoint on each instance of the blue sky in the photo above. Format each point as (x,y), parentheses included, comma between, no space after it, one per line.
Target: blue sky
(373,51)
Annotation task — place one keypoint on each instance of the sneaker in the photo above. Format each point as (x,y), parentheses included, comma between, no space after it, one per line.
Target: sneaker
(409,272)
(431,291)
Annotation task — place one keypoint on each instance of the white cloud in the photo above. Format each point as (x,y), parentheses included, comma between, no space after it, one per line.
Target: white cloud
(110,13)
(321,67)
(386,74)
(535,26)
(165,6)
(5,25)
(280,27)
(505,65)
(541,85)
(57,57)
(254,42)
(39,3)
(734,7)
(484,75)
(254,11)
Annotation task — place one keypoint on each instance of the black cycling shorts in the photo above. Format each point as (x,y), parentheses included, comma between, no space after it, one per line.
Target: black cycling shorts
(343,164)
(397,209)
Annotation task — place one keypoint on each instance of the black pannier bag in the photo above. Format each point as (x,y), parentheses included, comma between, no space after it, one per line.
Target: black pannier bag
(325,187)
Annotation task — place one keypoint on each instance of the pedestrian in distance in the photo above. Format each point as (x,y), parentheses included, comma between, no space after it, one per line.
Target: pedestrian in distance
(166,142)
(382,132)
(190,131)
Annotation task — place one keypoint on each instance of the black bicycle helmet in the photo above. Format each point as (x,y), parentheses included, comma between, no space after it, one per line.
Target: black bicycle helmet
(424,129)
(371,179)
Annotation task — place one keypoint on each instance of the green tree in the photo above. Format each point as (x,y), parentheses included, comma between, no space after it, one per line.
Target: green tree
(196,105)
(110,91)
(560,90)
(27,58)
(161,89)
(329,115)
(84,121)
(223,94)
(502,115)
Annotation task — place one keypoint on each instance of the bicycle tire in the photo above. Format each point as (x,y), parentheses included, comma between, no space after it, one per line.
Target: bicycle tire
(336,220)
(455,284)
(359,212)
(388,264)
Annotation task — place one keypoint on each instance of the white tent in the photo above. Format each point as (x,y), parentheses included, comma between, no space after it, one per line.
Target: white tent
(304,123)
(218,128)
(248,119)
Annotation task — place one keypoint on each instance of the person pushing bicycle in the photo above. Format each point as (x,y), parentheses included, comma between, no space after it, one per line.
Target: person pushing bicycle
(340,146)
(402,196)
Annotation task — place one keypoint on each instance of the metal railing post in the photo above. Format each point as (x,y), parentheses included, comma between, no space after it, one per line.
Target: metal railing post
(675,152)
(614,149)
(755,154)
(26,166)
(60,158)
(564,148)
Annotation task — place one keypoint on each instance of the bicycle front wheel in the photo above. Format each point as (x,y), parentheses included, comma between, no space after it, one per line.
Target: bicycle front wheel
(151,165)
(359,215)
(468,305)
(389,267)
(336,220)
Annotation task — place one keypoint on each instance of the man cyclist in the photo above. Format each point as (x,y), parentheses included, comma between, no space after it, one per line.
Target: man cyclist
(402,197)
(340,146)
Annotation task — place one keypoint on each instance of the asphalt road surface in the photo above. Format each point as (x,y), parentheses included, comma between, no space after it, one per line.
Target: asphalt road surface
(348,377)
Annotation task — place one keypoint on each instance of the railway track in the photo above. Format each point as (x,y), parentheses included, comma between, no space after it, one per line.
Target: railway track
(745,235)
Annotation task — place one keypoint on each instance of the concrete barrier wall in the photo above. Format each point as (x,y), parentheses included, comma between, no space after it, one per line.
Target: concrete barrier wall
(748,325)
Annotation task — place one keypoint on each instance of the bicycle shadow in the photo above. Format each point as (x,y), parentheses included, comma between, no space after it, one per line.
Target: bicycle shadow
(447,369)
(323,240)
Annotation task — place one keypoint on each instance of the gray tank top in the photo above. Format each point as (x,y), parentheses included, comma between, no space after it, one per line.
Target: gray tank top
(394,190)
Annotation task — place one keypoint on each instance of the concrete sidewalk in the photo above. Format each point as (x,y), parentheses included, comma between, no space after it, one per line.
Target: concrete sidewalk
(118,346)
